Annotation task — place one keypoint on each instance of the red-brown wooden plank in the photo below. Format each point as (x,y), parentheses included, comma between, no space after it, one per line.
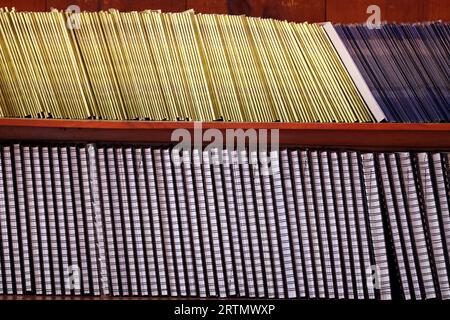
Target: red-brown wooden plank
(296,10)
(404,11)
(291,10)
(5,3)
(85,5)
(342,11)
(164,5)
(32,5)
(208,6)
(122,5)
(437,10)
(12,297)
(351,136)
(355,11)
(350,11)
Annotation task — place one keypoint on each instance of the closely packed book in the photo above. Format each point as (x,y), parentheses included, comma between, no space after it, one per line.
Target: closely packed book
(407,67)
(202,67)
(172,66)
(148,221)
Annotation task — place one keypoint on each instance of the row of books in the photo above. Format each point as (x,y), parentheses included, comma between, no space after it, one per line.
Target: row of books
(185,66)
(150,221)
(407,68)
(417,198)
(173,66)
(47,223)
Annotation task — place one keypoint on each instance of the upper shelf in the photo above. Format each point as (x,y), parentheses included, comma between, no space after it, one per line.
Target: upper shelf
(357,136)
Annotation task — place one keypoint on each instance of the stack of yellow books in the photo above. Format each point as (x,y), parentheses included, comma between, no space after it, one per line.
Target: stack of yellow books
(172,66)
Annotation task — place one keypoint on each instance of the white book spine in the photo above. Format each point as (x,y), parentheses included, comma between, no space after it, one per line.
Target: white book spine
(306,242)
(342,229)
(376,224)
(21,189)
(354,72)
(242,220)
(155,211)
(51,217)
(332,224)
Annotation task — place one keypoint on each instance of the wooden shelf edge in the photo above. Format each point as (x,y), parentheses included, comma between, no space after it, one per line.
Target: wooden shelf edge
(358,136)
(101,298)
(149,125)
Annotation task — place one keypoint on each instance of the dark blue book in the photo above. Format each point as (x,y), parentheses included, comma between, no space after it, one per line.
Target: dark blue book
(406,66)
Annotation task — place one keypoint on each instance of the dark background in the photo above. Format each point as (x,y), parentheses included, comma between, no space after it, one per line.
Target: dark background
(336,11)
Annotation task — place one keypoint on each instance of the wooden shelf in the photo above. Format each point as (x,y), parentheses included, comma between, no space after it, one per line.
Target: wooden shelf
(100,298)
(355,136)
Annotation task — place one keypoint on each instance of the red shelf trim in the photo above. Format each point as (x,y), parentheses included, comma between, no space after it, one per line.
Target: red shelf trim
(358,136)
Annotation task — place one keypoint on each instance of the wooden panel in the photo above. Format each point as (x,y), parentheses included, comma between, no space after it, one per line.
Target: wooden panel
(326,135)
(208,6)
(91,299)
(5,3)
(164,5)
(437,10)
(292,10)
(122,5)
(296,10)
(355,11)
(85,5)
(342,11)
(32,5)
(239,7)
(403,11)
(133,299)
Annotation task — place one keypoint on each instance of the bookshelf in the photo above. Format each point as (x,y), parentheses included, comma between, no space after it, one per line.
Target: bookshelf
(336,136)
